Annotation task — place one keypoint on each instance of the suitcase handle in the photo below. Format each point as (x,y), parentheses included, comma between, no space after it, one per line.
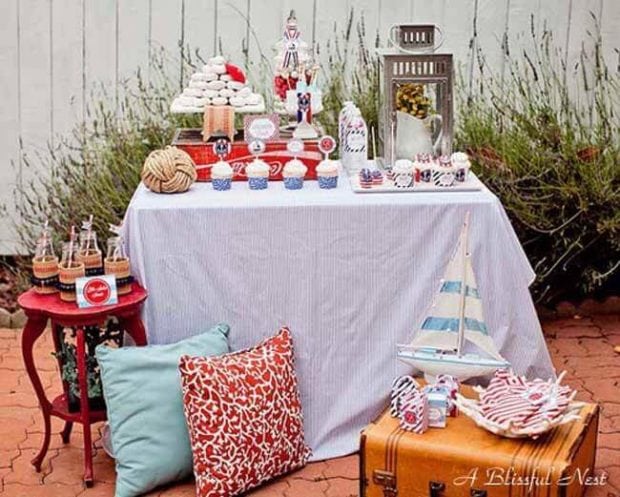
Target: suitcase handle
(435,488)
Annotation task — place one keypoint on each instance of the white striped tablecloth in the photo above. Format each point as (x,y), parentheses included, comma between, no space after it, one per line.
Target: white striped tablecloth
(351,274)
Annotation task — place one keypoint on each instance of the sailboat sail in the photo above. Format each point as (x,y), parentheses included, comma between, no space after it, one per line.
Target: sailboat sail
(455,317)
(441,327)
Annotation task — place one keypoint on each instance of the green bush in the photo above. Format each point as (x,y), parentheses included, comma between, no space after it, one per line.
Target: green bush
(96,169)
(547,142)
(552,160)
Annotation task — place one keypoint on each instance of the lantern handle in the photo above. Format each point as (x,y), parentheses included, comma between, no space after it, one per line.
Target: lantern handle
(393,41)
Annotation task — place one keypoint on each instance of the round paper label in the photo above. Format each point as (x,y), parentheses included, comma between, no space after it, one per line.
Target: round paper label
(97,292)
(327,144)
(262,128)
(295,146)
(256,147)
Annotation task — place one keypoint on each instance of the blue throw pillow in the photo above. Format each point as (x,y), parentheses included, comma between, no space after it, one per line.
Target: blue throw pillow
(142,390)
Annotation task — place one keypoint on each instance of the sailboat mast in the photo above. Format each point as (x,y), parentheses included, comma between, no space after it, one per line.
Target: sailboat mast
(463,255)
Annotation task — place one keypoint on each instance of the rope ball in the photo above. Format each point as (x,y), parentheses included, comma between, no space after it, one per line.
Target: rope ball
(170,170)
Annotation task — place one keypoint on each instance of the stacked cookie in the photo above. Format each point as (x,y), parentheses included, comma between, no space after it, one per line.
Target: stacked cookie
(219,83)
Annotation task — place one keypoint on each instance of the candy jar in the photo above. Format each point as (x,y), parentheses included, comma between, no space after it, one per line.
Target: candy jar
(88,251)
(117,262)
(45,264)
(69,269)
(355,142)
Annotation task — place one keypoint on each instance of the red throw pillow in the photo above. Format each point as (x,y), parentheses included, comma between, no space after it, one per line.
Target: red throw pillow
(244,416)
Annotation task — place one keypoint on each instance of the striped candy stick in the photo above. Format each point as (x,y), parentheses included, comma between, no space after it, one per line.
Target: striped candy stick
(400,386)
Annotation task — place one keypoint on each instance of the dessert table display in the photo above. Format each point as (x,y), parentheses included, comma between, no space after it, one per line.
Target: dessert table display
(41,308)
(351,275)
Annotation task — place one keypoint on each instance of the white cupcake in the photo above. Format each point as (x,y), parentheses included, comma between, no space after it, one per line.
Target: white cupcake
(257,172)
(225,77)
(293,173)
(221,175)
(327,174)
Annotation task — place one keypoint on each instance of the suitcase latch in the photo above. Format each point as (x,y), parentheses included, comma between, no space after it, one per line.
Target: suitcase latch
(435,488)
(387,480)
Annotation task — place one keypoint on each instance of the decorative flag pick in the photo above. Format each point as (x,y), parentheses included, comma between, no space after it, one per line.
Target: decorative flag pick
(295,147)
(221,148)
(257,147)
(291,42)
(327,145)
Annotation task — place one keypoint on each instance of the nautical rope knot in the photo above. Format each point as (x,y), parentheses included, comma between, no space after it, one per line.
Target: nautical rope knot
(170,170)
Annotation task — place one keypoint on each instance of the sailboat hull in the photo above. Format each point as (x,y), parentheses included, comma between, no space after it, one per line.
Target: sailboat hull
(461,367)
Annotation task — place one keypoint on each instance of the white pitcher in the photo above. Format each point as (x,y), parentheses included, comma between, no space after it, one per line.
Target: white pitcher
(415,135)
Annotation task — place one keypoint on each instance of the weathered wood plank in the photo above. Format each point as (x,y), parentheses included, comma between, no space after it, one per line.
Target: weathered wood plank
(200,29)
(67,70)
(9,117)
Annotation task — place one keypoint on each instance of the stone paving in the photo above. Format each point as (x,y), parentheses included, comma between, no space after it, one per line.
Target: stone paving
(583,346)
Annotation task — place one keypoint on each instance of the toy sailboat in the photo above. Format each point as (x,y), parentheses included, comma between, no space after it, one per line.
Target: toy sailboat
(454,318)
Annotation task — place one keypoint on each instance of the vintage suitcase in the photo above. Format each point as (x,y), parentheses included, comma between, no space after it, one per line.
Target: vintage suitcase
(463,460)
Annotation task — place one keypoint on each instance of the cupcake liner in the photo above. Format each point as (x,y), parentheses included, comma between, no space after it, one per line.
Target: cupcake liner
(221,184)
(258,182)
(293,183)
(328,182)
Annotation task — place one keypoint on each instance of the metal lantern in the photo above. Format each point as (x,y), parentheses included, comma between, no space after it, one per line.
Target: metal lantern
(417,115)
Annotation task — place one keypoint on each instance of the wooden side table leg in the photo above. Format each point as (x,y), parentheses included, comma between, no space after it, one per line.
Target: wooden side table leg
(134,326)
(35,326)
(84,407)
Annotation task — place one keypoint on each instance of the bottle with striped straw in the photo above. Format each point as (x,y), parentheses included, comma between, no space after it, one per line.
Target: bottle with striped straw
(69,269)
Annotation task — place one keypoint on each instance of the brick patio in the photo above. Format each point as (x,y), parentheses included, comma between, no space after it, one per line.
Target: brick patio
(582,346)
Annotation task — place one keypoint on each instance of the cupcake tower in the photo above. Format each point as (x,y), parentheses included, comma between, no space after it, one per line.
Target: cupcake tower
(219,83)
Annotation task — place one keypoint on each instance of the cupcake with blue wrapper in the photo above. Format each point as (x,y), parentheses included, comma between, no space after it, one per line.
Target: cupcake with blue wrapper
(294,170)
(327,170)
(257,171)
(221,172)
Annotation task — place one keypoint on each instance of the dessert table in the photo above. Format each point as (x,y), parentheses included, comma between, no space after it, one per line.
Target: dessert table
(351,275)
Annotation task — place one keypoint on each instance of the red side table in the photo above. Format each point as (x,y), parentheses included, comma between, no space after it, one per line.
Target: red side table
(40,308)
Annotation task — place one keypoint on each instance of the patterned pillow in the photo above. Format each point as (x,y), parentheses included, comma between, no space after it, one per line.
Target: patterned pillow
(244,416)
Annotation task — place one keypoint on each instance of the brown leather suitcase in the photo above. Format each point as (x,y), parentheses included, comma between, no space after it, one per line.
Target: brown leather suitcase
(463,460)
